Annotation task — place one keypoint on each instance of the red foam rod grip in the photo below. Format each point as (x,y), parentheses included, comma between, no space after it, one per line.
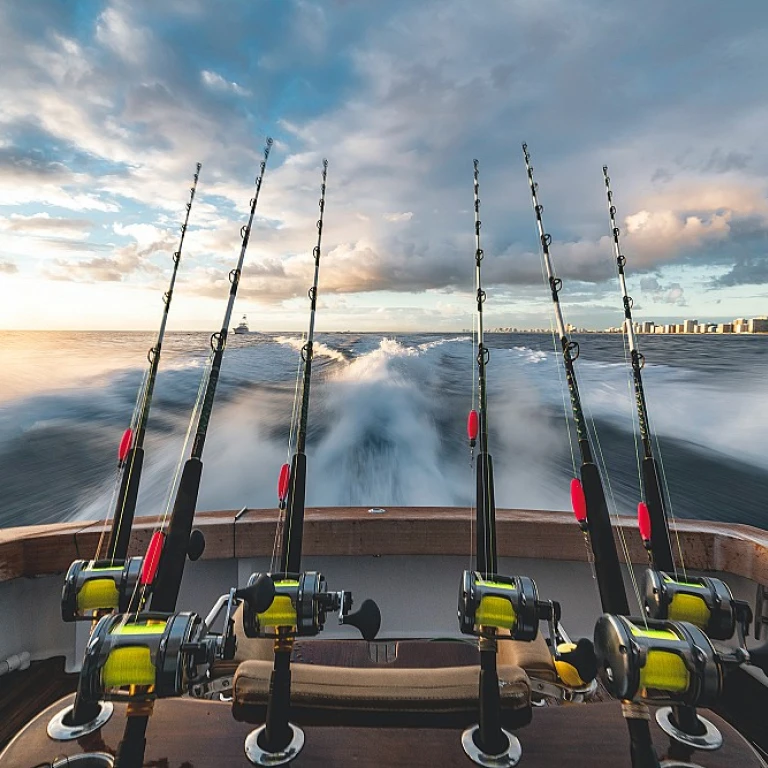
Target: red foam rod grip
(125,445)
(473,425)
(644,521)
(152,558)
(578,502)
(282,482)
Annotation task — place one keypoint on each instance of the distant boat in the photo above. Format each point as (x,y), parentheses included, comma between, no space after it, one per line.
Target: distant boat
(243,327)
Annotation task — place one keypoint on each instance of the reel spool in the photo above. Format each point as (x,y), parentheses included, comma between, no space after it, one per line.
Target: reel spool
(146,656)
(301,605)
(95,586)
(501,602)
(703,601)
(669,661)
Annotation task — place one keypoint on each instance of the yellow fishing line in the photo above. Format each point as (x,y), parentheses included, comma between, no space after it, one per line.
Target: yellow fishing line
(97,593)
(495,612)
(689,608)
(664,671)
(128,666)
(280,614)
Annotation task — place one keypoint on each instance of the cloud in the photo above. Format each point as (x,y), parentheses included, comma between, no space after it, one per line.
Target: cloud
(108,110)
(8,268)
(45,225)
(116,30)
(217,83)
(746,271)
(672,293)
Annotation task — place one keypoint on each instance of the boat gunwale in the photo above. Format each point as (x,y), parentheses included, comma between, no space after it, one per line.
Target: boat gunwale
(38,550)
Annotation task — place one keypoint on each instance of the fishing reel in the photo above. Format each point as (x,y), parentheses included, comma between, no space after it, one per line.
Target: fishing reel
(146,656)
(703,601)
(501,602)
(98,586)
(301,606)
(670,662)
(151,655)
(512,603)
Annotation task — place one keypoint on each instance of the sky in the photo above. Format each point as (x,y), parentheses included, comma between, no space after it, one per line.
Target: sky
(105,107)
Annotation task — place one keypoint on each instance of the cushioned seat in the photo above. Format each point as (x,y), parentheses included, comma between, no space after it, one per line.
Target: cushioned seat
(359,695)
(348,695)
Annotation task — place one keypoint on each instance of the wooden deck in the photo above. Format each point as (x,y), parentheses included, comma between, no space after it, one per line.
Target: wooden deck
(187,733)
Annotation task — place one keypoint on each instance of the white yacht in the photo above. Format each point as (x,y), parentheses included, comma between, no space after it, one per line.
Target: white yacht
(243,326)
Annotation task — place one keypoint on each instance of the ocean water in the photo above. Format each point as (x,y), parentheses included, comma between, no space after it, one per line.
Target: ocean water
(387,421)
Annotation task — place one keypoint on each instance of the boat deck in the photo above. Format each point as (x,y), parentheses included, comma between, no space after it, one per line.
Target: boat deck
(186,733)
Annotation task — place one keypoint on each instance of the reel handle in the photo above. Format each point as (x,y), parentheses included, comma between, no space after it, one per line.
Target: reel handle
(367,619)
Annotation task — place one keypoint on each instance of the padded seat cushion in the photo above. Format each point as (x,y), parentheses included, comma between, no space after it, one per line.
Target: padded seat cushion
(445,689)
(533,657)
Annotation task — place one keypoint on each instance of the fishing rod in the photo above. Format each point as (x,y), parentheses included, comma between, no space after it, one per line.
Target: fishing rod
(706,602)
(95,587)
(131,452)
(293,529)
(302,600)
(652,504)
(175,545)
(478,420)
(588,497)
(167,552)
(495,608)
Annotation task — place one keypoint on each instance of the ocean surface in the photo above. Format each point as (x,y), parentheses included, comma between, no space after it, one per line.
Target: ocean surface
(387,420)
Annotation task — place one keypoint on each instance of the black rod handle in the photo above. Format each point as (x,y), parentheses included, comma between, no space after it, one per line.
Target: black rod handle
(125,509)
(165,591)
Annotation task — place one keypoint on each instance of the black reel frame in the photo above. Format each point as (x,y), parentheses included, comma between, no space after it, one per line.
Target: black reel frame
(124,574)
(182,653)
(725,615)
(624,647)
(519,591)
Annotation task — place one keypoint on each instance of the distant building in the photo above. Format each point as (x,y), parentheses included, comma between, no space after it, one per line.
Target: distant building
(659,329)
(689,326)
(701,328)
(649,326)
(740,325)
(758,325)
(725,328)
